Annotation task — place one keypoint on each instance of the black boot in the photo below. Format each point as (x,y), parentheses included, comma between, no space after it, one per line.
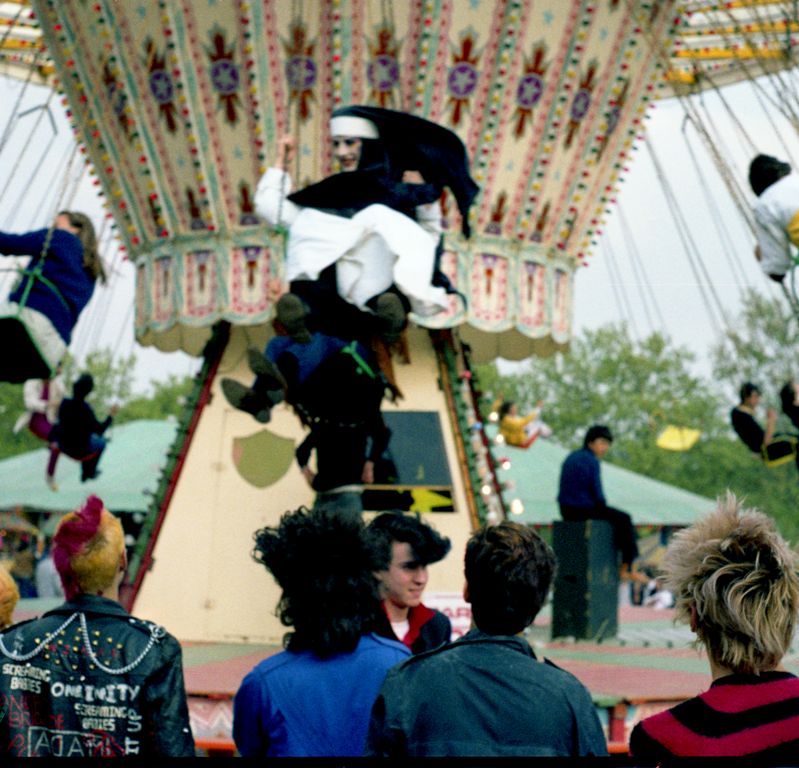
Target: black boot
(391,316)
(269,375)
(245,399)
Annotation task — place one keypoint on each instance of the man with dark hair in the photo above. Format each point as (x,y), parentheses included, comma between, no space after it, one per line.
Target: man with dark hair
(313,699)
(581,497)
(406,546)
(742,418)
(766,444)
(487,693)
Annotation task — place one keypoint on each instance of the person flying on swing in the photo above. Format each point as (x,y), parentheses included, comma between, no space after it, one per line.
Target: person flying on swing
(521,431)
(773,449)
(296,363)
(358,261)
(363,243)
(55,286)
(78,433)
(789,399)
(776,214)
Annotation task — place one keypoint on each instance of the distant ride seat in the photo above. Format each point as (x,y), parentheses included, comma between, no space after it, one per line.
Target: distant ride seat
(30,346)
(780,451)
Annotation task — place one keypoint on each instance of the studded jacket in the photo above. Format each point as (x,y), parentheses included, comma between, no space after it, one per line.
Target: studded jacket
(88,679)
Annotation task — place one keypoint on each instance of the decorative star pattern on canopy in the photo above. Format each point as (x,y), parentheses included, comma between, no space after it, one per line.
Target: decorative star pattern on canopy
(548,97)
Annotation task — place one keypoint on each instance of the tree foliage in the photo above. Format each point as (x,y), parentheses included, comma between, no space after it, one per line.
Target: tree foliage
(166,400)
(113,378)
(761,346)
(639,387)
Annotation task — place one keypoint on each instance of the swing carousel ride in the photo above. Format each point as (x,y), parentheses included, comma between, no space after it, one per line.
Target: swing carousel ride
(178,106)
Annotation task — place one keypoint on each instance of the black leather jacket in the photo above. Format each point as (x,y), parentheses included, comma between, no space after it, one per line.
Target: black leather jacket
(88,679)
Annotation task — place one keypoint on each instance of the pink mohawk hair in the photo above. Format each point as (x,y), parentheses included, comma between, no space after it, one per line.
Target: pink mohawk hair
(73,532)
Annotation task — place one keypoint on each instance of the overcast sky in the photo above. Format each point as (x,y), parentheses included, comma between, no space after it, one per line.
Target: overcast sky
(684,278)
(641,271)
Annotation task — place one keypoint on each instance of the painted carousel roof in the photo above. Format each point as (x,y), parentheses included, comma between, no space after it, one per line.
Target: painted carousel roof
(180,106)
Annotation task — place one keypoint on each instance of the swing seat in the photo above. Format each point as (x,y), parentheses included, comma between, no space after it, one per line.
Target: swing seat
(30,348)
(780,451)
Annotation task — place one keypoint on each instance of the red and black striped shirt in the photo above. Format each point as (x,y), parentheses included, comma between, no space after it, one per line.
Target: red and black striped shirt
(740,715)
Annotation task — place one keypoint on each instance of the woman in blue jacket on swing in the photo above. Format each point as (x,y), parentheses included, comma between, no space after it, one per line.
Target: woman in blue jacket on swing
(55,286)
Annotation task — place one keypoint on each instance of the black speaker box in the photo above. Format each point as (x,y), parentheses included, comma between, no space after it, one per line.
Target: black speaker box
(585,603)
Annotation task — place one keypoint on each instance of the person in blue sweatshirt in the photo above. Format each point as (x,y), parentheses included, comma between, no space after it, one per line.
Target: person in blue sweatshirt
(49,302)
(581,497)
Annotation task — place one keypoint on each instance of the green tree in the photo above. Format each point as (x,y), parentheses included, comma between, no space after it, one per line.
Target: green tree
(637,388)
(761,346)
(167,399)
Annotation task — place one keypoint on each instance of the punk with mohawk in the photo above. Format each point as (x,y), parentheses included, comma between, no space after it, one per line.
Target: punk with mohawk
(91,679)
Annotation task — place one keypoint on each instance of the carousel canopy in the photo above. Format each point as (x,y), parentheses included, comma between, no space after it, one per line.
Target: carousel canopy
(180,106)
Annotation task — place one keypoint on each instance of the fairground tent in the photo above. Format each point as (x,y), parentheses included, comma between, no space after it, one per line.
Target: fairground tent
(535,472)
(137,451)
(130,470)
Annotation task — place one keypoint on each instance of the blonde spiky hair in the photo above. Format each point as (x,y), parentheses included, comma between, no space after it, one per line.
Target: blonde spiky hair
(87,548)
(9,596)
(739,574)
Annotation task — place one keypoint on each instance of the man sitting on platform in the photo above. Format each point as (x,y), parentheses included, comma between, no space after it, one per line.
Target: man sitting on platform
(581,497)
(487,693)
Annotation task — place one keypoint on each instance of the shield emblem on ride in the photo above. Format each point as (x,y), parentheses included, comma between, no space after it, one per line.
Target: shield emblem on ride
(262,458)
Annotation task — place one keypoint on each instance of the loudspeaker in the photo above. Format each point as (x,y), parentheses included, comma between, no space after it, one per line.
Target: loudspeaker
(585,603)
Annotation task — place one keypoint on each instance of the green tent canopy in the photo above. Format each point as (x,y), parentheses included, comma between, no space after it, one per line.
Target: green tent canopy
(130,470)
(535,474)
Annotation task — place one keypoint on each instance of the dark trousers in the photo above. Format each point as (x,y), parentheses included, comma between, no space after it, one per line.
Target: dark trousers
(624,535)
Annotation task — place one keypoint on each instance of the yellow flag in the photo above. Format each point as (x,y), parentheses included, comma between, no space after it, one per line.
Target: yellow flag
(678,438)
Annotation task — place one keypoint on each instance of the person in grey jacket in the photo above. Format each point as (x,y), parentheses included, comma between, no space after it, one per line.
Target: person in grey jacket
(487,694)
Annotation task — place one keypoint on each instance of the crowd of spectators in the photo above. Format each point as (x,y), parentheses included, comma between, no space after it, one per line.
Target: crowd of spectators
(368,669)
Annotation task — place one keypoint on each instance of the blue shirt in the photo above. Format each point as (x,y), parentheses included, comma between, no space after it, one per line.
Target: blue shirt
(580,483)
(63,267)
(298,705)
(309,356)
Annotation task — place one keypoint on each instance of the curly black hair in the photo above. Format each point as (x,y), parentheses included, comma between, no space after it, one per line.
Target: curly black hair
(765,170)
(427,545)
(324,562)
